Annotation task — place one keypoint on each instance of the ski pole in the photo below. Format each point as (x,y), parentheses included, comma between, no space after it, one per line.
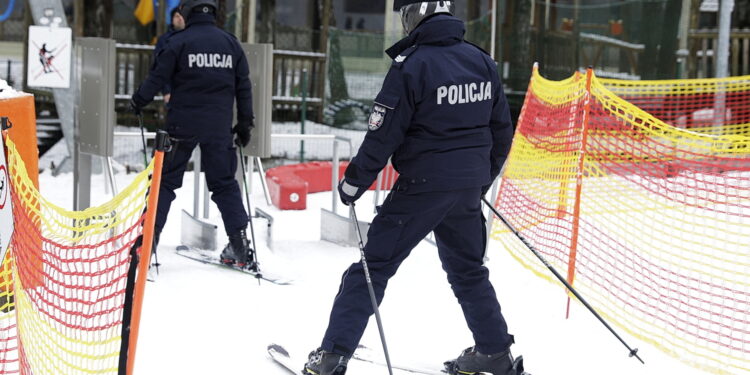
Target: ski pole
(145,165)
(143,138)
(369,286)
(633,352)
(249,208)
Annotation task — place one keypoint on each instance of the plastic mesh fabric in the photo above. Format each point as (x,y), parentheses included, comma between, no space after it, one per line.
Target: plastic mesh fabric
(692,104)
(662,210)
(63,280)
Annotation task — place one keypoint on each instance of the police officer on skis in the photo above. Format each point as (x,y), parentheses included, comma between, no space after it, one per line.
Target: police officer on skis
(207,70)
(443,118)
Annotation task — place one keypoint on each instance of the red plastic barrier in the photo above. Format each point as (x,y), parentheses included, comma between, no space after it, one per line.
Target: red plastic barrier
(290,184)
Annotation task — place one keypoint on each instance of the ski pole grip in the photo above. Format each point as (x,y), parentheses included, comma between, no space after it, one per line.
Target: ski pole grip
(6,124)
(163,143)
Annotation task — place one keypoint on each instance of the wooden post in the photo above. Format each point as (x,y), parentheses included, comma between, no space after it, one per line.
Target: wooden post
(472,10)
(653,16)
(78,18)
(577,33)
(669,41)
(249,24)
(27,22)
(520,39)
(97,18)
(325,25)
(160,18)
(268,21)
(498,47)
(239,21)
(493,30)
(693,44)
(221,14)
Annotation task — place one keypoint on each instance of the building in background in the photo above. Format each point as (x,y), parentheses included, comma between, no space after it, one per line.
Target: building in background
(631,39)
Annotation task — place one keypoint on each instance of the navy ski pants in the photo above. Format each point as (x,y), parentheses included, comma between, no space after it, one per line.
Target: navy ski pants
(403,221)
(219,162)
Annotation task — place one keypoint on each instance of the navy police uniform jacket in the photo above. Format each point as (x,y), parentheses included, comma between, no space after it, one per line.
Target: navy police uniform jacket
(441,114)
(157,49)
(206,68)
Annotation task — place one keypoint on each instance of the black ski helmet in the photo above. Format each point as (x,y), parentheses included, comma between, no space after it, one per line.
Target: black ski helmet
(187,7)
(414,12)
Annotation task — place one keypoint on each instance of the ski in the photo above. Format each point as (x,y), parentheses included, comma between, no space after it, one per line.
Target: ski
(212,257)
(366,354)
(282,357)
(363,354)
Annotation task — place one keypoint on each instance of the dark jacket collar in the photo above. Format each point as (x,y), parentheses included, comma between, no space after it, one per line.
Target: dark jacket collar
(440,29)
(201,18)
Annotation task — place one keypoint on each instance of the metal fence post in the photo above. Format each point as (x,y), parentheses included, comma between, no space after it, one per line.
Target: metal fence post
(335,176)
(303,115)
(196,181)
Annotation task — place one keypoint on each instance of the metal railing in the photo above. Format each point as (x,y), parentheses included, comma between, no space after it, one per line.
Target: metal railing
(609,55)
(597,48)
(134,62)
(335,139)
(288,87)
(702,59)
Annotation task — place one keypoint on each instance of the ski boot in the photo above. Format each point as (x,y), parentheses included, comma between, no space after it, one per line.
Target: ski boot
(321,362)
(472,362)
(238,252)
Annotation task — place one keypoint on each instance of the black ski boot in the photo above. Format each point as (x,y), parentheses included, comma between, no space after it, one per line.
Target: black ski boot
(321,362)
(472,362)
(238,251)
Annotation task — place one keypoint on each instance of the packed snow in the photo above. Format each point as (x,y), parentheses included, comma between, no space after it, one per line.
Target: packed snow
(202,319)
(7,92)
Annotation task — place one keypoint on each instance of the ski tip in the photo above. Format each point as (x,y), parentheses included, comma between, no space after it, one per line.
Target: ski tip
(278,349)
(182,248)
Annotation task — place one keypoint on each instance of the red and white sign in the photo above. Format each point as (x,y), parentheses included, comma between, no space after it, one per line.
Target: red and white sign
(49,56)
(6,206)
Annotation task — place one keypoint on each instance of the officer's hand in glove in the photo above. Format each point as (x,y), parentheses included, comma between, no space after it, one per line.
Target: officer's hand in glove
(135,108)
(242,135)
(349,193)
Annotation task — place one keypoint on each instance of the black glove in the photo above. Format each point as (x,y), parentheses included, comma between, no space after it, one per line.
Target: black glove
(242,135)
(349,193)
(135,108)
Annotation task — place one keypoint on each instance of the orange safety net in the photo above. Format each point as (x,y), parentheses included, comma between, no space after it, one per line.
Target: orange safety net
(61,305)
(648,212)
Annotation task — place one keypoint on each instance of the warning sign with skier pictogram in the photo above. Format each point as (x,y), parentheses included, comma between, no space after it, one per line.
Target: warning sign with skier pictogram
(49,57)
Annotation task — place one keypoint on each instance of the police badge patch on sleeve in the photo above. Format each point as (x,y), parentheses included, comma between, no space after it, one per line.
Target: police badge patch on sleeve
(376,117)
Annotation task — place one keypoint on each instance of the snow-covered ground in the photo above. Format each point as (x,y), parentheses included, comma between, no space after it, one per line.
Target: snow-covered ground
(201,319)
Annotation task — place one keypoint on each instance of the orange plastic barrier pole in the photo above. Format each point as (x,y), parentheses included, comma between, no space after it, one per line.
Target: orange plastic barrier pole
(145,257)
(562,200)
(579,186)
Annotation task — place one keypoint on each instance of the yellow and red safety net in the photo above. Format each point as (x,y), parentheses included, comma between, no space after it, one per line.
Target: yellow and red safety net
(646,206)
(62,310)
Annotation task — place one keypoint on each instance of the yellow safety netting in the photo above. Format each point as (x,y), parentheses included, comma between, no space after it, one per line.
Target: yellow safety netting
(63,281)
(660,215)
